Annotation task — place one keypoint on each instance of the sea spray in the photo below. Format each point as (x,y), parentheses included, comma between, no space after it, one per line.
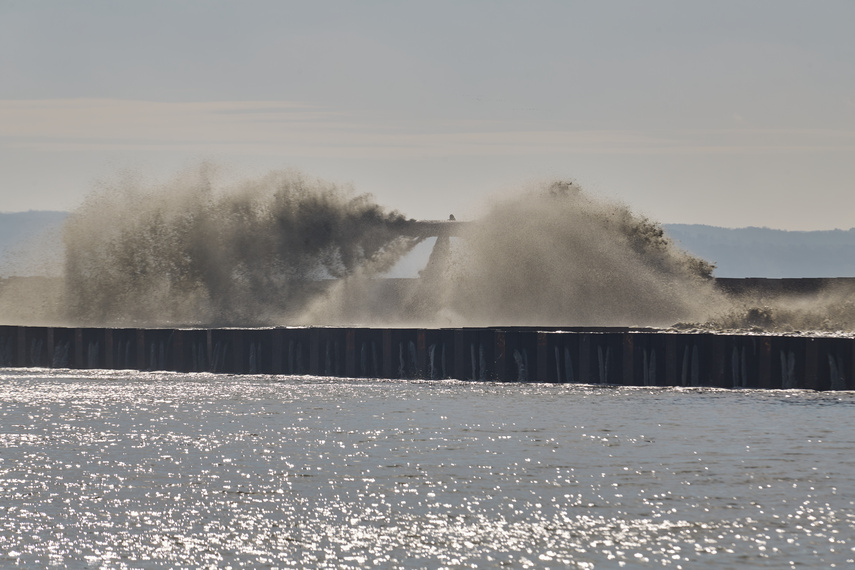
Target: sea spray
(554,255)
(186,252)
(286,249)
(830,310)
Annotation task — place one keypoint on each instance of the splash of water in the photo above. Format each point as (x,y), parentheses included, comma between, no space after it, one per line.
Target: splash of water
(556,256)
(188,253)
(831,310)
(285,249)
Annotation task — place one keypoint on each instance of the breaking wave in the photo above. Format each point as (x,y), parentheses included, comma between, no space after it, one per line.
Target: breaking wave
(189,253)
(288,249)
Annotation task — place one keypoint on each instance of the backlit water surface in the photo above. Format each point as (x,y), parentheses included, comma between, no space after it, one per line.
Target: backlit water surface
(151,470)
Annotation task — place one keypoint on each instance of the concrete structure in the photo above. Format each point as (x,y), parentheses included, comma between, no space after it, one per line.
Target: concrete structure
(619,356)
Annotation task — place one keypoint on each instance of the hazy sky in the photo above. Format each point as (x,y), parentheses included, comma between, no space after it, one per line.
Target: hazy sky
(729,113)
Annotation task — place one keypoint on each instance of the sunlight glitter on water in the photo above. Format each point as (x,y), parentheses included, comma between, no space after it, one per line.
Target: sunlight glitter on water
(148,470)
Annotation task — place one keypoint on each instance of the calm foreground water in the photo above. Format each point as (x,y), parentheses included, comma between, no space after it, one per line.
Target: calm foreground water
(150,470)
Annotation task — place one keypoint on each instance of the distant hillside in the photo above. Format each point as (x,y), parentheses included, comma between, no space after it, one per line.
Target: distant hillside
(29,242)
(763,252)
(19,227)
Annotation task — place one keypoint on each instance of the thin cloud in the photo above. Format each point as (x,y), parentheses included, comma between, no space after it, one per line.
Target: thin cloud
(300,130)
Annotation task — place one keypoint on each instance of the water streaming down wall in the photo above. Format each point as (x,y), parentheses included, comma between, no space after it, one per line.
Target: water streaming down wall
(613,356)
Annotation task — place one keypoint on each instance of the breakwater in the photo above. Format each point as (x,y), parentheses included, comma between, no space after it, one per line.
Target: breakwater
(618,356)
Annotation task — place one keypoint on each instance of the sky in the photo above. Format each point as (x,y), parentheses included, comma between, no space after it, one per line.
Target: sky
(730,113)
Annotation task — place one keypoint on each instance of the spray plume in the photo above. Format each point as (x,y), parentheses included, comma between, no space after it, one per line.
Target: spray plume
(286,249)
(555,255)
(187,253)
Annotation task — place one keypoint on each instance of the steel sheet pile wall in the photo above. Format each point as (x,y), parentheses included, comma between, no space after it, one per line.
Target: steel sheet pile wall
(596,356)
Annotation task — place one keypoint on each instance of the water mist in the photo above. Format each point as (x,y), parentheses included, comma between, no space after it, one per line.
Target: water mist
(287,249)
(555,256)
(186,253)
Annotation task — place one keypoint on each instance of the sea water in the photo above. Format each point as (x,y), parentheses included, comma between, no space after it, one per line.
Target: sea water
(156,470)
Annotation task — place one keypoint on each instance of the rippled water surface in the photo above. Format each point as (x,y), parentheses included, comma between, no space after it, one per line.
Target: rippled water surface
(148,470)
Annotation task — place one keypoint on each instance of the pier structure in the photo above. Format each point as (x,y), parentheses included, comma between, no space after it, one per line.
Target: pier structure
(614,356)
